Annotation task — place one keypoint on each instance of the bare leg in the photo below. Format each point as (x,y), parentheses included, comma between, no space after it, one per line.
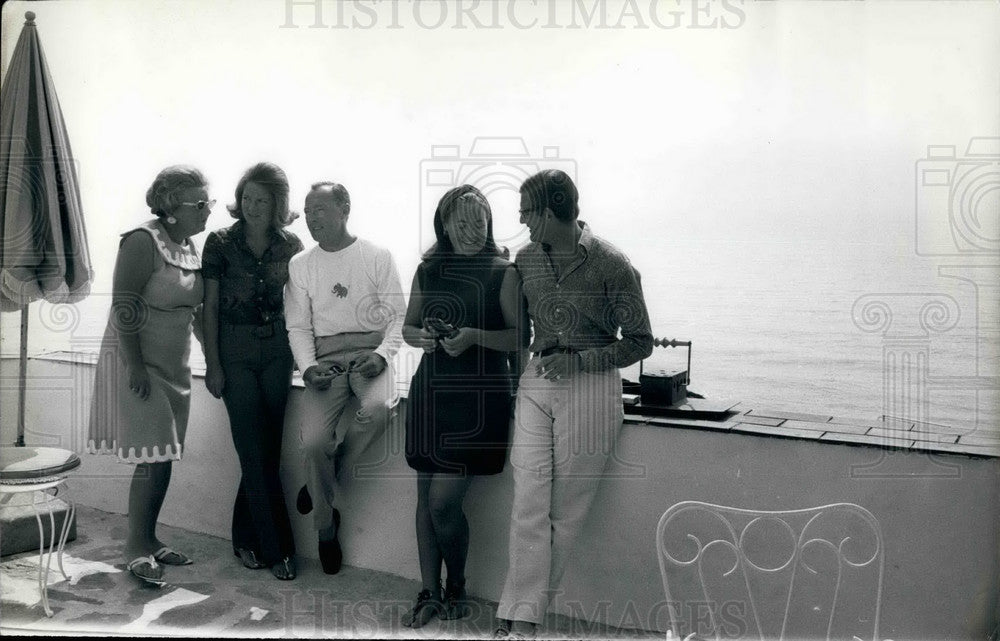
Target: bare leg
(451,529)
(428,603)
(146,494)
(427,542)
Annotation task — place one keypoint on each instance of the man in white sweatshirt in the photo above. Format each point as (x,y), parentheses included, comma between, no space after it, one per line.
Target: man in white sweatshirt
(344,311)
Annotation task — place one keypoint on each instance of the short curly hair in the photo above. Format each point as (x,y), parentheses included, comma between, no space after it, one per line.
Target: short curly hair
(163,195)
(273,179)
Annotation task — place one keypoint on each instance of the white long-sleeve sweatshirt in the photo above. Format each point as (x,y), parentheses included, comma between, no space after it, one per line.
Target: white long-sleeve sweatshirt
(356,289)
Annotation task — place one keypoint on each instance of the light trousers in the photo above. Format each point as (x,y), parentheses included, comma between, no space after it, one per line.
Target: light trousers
(326,435)
(565,432)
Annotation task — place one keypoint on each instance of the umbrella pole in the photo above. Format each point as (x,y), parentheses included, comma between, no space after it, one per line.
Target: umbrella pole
(22,375)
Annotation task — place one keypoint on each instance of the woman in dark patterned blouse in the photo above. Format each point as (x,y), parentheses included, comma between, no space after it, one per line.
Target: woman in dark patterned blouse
(249,362)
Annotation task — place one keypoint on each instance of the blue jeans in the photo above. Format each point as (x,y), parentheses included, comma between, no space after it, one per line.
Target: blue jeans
(258,369)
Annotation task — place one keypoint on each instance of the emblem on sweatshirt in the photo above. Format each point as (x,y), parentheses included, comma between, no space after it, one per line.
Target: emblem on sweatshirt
(340,291)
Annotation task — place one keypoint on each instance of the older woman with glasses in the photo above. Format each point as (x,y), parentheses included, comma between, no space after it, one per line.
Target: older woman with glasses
(249,360)
(143,382)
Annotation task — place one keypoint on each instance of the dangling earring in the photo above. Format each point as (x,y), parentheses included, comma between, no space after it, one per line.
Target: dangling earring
(171,220)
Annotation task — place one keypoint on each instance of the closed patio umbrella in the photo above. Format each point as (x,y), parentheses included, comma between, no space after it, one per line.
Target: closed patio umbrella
(44,252)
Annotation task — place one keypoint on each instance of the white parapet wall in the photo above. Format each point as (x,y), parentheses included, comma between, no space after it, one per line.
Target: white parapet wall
(938,513)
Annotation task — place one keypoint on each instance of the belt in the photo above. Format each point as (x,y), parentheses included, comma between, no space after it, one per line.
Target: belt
(549,351)
(264,330)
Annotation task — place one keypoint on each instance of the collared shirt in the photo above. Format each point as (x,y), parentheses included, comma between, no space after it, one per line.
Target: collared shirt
(250,288)
(584,308)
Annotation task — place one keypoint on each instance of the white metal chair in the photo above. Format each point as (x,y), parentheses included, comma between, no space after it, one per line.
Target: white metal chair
(35,471)
(796,574)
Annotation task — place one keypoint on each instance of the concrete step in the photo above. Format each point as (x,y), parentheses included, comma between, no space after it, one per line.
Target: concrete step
(19,527)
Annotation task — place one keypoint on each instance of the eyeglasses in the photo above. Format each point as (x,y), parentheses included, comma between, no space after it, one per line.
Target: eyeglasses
(525,212)
(201,204)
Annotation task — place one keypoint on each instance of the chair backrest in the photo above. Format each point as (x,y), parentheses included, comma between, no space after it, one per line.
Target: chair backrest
(733,573)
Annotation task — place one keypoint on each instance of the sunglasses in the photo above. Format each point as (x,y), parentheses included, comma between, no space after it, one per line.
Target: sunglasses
(201,204)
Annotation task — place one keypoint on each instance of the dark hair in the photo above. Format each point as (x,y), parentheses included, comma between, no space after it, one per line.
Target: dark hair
(554,189)
(443,247)
(162,196)
(273,180)
(338,191)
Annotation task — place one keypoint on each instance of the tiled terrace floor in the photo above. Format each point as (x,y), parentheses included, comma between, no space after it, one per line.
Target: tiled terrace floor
(217,596)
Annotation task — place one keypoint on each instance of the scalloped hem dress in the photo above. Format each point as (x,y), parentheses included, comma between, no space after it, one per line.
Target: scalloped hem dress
(151,430)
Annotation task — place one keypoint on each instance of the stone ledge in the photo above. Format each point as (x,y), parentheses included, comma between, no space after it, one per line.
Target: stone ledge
(883,432)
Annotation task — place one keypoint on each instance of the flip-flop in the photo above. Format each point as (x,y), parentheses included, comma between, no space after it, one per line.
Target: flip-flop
(169,556)
(284,570)
(145,569)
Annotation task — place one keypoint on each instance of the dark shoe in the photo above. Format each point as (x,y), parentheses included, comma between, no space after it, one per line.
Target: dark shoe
(424,609)
(304,502)
(330,553)
(284,570)
(456,601)
(249,558)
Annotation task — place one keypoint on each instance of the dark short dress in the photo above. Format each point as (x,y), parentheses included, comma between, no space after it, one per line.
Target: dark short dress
(458,410)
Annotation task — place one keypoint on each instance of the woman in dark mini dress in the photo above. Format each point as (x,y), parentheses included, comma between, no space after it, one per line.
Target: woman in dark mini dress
(466,313)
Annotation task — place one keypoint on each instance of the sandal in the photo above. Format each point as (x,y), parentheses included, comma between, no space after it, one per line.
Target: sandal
(423,610)
(502,630)
(456,601)
(146,570)
(284,570)
(249,558)
(169,556)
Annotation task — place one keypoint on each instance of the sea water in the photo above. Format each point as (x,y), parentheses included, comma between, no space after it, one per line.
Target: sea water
(800,327)
(827,329)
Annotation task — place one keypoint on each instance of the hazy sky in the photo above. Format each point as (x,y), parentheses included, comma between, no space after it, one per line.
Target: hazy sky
(766,123)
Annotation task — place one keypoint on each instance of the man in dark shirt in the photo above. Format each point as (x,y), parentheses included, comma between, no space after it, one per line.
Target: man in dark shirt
(580,291)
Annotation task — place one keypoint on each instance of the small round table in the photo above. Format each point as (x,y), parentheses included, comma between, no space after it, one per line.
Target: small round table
(36,470)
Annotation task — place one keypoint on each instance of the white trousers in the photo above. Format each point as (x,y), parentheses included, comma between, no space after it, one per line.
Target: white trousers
(564,433)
